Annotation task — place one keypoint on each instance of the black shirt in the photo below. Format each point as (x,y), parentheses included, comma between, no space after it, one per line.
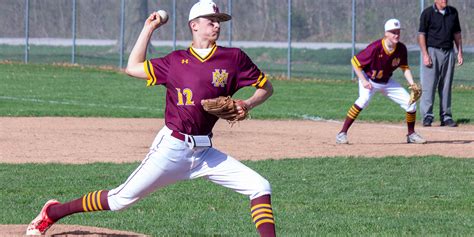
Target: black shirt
(439,29)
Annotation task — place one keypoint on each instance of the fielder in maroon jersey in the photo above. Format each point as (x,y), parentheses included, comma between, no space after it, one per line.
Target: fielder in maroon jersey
(374,67)
(182,149)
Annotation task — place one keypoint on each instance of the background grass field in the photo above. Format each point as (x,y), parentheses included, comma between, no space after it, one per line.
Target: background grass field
(54,90)
(334,196)
(322,64)
(326,196)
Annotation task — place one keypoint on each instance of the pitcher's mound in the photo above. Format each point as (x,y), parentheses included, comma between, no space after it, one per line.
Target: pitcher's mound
(67,230)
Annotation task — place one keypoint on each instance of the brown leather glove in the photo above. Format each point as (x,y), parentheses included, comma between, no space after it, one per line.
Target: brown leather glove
(226,108)
(415,93)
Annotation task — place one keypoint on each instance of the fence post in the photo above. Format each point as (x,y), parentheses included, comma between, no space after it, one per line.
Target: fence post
(229,31)
(122,31)
(289,41)
(73,26)
(27,29)
(422,6)
(174,25)
(353,33)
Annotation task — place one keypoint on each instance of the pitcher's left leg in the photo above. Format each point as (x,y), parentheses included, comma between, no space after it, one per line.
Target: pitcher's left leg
(228,172)
(262,215)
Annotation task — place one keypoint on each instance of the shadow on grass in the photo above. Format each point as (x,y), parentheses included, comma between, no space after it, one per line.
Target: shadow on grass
(463,121)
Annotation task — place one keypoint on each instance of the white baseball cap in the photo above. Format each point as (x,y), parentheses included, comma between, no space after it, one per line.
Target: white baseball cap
(207,8)
(392,24)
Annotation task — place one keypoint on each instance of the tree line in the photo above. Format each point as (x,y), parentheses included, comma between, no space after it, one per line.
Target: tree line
(253,20)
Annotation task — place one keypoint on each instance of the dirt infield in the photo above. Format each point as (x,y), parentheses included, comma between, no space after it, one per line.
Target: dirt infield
(68,230)
(86,140)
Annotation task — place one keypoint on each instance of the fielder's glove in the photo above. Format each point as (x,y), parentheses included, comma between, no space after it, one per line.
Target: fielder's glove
(226,108)
(415,93)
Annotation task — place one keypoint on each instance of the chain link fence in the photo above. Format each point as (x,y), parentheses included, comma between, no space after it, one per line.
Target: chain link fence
(315,42)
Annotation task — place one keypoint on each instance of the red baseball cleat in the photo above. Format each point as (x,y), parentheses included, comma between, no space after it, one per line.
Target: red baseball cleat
(42,222)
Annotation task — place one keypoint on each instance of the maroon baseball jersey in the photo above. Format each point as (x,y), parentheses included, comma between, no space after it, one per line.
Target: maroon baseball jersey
(379,63)
(188,79)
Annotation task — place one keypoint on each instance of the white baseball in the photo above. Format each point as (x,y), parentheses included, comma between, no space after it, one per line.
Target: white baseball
(163,15)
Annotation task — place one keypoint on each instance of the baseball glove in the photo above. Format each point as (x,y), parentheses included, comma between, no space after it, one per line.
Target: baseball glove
(226,108)
(415,93)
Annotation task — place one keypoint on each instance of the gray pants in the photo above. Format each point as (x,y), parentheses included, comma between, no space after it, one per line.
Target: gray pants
(439,76)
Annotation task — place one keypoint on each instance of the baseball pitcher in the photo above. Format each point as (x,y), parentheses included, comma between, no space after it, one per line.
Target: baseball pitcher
(182,149)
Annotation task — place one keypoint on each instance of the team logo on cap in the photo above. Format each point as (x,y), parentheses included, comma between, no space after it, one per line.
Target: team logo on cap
(215,8)
(219,78)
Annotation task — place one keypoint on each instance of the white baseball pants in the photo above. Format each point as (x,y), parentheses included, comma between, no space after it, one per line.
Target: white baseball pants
(392,90)
(170,160)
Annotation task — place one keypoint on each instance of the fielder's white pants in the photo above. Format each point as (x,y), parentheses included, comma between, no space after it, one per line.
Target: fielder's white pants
(170,160)
(392,90)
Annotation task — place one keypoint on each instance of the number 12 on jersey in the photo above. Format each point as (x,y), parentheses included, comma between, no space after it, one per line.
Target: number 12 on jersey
(188,93)
(376,74)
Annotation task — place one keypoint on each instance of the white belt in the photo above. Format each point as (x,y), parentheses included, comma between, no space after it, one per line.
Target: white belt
(193,140)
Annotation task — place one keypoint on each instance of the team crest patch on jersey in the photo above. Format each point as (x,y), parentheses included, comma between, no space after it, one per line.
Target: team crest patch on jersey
(183,61)
(395,62)
(219,78)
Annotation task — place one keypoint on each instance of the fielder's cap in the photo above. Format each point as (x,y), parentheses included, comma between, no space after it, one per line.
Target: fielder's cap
(392,24)
(207,8)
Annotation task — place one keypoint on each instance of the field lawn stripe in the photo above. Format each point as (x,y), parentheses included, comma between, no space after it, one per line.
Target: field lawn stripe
(74,103)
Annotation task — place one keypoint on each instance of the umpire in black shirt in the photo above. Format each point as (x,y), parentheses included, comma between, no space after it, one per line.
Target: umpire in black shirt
(439,27)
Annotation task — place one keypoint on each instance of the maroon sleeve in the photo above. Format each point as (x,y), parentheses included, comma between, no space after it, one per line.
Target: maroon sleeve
(248,72)
(403,57)
(157,70)
(365,56)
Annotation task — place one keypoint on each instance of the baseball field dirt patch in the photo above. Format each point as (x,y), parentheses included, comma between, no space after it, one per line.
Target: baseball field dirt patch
(68,230)
(87,140)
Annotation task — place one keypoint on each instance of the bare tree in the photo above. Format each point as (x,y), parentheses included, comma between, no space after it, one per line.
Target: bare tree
(136,11)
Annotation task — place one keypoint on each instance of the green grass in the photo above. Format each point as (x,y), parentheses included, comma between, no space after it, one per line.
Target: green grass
(330,196)
(326,64)
(52,90)
(45,90)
